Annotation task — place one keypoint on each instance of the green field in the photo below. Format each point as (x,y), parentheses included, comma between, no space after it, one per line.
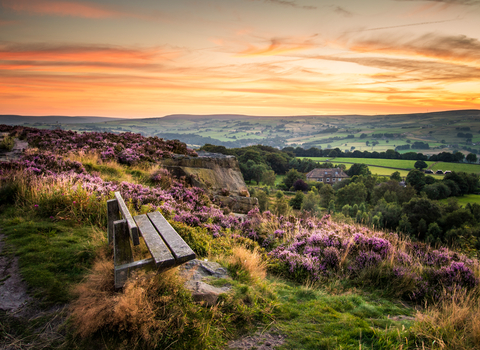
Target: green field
(468,168)
(464,200)
(401,164)
(392,163)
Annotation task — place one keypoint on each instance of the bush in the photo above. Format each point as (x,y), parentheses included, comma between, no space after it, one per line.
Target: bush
(300,185)
(296,202)
(7,143)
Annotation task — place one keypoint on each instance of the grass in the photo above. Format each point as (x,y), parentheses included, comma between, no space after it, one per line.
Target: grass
(393,163)
(453,323)
(314,318)
(464,200)
(52,255)
(468,168)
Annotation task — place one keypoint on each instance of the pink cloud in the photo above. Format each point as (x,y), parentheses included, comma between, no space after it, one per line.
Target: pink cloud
(64,8)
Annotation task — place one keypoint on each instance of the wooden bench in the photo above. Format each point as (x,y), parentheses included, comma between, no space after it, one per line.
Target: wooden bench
(165,245)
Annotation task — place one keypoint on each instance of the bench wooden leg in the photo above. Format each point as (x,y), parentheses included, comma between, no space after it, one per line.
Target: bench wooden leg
(122,253)
(113,214)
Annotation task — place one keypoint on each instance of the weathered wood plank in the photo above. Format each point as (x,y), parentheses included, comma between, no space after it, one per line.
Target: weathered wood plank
(112,215)
(180,250)
(155,244)
(125,270)
(122,251)
(132,227)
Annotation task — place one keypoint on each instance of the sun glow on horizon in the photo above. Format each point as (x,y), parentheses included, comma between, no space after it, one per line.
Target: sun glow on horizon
(348,63)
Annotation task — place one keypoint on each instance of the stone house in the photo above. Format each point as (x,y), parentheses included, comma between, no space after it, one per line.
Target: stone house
(327,176)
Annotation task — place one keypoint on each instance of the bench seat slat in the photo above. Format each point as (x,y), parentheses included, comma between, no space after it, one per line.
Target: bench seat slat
(160,252)
(181,251)
(132,228)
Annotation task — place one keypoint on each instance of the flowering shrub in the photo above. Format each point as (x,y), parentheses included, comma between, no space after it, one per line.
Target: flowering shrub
(44,163)
(127,148)
(344,251)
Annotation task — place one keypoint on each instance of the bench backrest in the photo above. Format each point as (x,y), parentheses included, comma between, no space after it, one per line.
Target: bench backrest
(114,208)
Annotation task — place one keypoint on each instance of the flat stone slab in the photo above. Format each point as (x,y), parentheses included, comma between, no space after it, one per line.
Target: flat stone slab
(195,271)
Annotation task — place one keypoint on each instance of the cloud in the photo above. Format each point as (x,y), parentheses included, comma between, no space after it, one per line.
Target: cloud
(66,8)
(6,23)
(278,46)
(290,3)
(342,11)
(401,26)
(452,2)
(459,48)
(49,57)
(408,70)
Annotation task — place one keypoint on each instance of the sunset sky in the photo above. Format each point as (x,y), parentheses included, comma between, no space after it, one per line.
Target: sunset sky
(152,58)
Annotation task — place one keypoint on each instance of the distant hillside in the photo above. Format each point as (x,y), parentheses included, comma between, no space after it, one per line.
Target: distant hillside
(429,133)
(18,119)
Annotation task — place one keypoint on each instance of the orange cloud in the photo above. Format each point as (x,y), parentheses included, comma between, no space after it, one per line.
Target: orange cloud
(277,46)
(41,56)
(64,8)
(455,48)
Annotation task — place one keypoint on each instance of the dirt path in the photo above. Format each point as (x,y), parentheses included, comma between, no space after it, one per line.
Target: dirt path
(23,324)
(15,153)
(258,341)
(13,290)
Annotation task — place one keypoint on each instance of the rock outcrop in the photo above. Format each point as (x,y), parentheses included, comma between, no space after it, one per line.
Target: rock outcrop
(195,271)
(218,173)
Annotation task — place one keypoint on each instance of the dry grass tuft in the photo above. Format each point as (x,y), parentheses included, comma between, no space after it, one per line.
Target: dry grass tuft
(151,309)
(453,323)
(247,265)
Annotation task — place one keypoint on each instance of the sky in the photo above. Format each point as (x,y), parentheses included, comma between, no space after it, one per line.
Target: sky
(151,58)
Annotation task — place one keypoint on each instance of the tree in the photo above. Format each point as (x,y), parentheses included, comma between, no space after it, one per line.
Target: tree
(434,232)
(390,212)
(421,208)
(472,158)
(396,176)
(251,154)
(300,185)
(358,169)
(269,178)
(420,164)
(416,178)
(292,176)
(354,193)
(263,201)
(278,162)
(311,201)
(326,193)
(281,204)
(461,179)
(437,191)
(459,156)
(296,202)
(346,210)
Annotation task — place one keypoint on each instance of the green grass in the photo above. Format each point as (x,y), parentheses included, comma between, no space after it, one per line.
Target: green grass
(279,179)
(464,200)
(393,163)
(317,319)
(468,168)
(52,255)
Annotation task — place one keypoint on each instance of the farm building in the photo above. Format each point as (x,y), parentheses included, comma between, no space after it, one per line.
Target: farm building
(331,175)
